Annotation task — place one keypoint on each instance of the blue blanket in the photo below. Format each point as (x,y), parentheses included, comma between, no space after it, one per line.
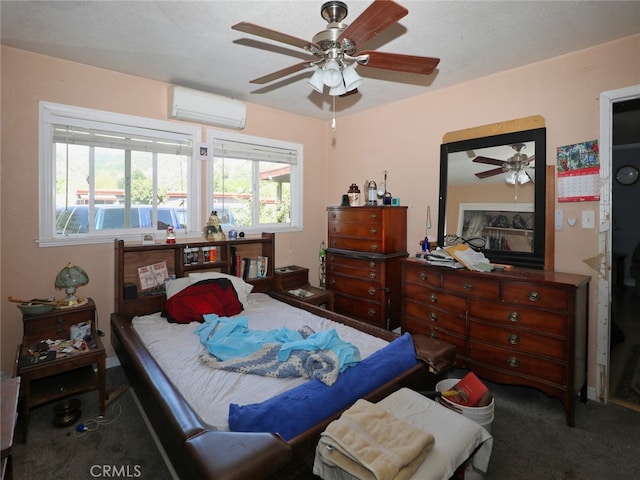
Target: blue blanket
(298,409)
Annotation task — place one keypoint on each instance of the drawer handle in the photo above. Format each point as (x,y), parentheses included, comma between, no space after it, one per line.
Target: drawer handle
(332,258)
(514,317)
(433,316)
(434,298)
(334,229)
(60,332)
(432,334)
(422,275)
(60,321)
(372,312)
(332,268)
(332,282)
(372,291)
(334,243)
(467,286)
(373,231)
(513,362)
(333,215)
(372,275)
(373,216)
(374,246)
(372,264)
(513,339)
(533,296)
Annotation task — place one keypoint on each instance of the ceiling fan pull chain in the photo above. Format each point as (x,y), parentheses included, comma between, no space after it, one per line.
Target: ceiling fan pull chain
(333,120)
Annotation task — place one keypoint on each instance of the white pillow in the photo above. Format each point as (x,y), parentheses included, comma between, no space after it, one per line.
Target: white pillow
(243,289)
(174,286)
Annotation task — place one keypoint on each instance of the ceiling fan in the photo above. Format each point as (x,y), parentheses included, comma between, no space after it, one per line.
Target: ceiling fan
(515,166)
(336,49)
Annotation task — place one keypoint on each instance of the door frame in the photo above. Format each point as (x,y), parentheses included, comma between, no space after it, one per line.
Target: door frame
(603,329)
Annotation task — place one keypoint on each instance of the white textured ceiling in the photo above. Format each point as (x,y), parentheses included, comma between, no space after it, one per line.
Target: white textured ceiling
(190,43)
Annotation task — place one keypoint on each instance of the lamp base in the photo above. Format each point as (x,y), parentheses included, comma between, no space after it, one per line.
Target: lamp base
(64,303)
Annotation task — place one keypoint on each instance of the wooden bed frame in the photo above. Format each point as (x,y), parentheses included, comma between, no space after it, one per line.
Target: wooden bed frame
(195,449)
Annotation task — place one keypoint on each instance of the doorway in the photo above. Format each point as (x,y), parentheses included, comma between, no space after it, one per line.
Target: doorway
(618,326)
(625,239)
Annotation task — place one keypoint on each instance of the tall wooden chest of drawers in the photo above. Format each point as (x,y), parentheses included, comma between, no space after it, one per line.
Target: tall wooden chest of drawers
(364,251)
(520,326)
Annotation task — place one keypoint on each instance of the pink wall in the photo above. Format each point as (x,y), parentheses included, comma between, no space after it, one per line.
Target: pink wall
(29,271)
(402,138)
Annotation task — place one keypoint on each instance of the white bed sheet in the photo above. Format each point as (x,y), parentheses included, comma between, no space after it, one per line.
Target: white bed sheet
(209,392)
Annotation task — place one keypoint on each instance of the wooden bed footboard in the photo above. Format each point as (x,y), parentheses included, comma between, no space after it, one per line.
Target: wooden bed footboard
(195,449)
(198,451)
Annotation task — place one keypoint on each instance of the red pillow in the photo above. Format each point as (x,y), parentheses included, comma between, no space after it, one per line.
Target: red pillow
(215,295)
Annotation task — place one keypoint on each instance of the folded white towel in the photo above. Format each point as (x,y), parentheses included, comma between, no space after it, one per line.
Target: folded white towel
(369,443)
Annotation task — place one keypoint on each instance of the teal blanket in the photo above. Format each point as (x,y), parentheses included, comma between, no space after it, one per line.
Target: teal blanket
(232,346)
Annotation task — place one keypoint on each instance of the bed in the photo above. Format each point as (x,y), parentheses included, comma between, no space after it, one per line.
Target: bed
(201,443)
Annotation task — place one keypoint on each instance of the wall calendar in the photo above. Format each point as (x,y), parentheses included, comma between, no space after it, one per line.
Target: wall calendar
(579,172)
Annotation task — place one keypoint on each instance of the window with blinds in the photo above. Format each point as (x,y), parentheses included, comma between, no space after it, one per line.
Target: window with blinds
(106,175)
(255,184)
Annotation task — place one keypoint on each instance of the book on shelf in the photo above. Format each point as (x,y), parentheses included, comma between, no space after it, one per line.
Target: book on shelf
(153,276)
(253,268)
(263,265)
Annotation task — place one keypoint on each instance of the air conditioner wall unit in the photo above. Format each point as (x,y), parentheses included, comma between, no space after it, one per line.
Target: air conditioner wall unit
(202,107)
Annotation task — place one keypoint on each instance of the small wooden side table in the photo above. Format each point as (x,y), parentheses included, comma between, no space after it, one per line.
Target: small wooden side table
(292,278)
(61,375)
(10,391)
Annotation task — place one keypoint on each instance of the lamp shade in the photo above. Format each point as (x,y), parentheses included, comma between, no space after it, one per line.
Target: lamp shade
(351,78)
(338,90)
(70,278)
(332,76)
(316,81)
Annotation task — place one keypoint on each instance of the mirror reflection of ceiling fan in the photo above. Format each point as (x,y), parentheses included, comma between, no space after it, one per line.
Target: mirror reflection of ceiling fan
(336,49)
(515,166)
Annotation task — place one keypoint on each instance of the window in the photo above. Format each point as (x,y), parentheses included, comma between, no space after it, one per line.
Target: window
(105,175)
(256,183)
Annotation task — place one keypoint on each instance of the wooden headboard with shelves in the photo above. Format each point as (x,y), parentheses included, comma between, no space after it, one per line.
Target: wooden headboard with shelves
(132,299)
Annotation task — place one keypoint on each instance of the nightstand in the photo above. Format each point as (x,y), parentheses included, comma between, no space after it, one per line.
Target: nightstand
(293,277)
(46,377)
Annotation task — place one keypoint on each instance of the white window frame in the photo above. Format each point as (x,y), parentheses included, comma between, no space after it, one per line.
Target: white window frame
(54,113)
(296,179)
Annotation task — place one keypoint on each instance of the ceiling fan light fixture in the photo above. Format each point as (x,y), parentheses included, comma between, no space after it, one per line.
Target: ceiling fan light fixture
(523,177)
(332,76)
(520,177)
(338,90)
(351,78)
(316,80)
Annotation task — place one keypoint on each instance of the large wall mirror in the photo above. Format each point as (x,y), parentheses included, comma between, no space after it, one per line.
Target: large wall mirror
(492,196)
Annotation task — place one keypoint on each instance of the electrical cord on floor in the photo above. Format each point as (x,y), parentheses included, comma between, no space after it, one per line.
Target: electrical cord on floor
(93,424)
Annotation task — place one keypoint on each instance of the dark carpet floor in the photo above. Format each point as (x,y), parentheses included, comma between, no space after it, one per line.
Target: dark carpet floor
(120,446)
(531,441)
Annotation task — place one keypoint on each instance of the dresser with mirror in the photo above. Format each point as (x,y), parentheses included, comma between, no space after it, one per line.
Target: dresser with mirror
(523,323)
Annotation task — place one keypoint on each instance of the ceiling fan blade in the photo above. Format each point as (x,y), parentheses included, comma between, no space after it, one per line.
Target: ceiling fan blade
(530,177)
(378,16)
(399,62)
(489,161)
(281,73)
(490,173)
(264,32)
